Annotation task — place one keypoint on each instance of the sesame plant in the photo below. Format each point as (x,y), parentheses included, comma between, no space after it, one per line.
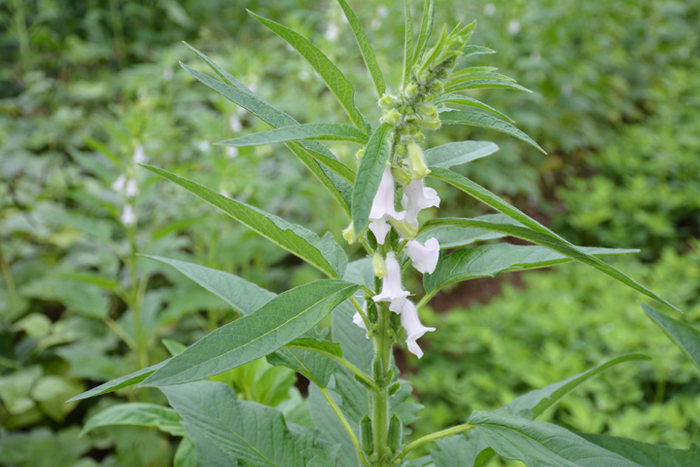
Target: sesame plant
(358,412)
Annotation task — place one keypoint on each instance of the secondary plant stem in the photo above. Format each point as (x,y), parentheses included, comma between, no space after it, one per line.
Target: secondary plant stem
(433,436)
(344,421)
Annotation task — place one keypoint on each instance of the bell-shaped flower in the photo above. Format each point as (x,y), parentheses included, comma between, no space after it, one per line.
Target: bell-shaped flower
(391,282)
(416,161)
(383,207)
(119,184)
(131,189)
(424,257)
(416,196)
(139,155)
(128,216)
(411,323)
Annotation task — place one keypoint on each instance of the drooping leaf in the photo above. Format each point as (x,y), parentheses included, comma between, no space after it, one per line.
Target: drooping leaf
(119,383)
(407,43)
(546,238)
(323,253)
(470,102)
(139,414)
(683,335)
(278,322)
(647,455)
(307,131)
(451,154)
(245,297)
(365,48)
(426,29)
(480,119)
(369,174)
(486,84)
(331,75)
(451,236)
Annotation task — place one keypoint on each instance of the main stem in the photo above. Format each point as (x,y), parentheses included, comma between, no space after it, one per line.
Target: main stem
(380,399)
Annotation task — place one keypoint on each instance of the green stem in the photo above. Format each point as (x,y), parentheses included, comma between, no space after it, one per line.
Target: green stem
(433,436)
(22,35)
(7,275)
(426,298)
(359,309)
(344,421)
(380,399)
(118,28)
(137,293)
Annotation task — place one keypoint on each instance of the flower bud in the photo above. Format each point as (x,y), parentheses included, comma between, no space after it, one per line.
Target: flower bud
(411,91)
(378,265)
(406,230)
(395,431)
(388,101)
(349,233)
(402,175)
(360,153)
(415,159)
(392,117)
(366,435)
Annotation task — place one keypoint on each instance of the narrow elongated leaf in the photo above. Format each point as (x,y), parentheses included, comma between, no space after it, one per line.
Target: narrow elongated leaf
(324,253)
(470,102)
(369,174)
(309,356)
(546,238)
(139,414)
(461,77)
(119,383)
(426,28)
(683,335)
(281,320)
(365,48)
(331,75)
(491,260)
(646,455)
(451,154)
(245,297)
(450,236)
(308,131)
(252,433)
(480,119)
(539,444)
(407,43)
(486,84)
(470,50)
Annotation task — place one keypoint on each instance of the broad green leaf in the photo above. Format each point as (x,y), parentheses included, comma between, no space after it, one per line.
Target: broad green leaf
(119,383)
(174,348)
(545,238)
(486,84)
(316,345)
(461,451)
(245,297)
(318,461)
(309,356)
(479,119)
(324,253)
(425,461)
(365,48)
(470,102)
(647,455)
(451,154)
(683,335)
(407,43)
(360,272)
(327,423)
(185,455)
(281,320)
(308,131)
(331,75)
(491,260)
(206,452)
(139,414)
(451,236)
(426,28)
(539,444)
(252,433)
(356,348)
(369,174)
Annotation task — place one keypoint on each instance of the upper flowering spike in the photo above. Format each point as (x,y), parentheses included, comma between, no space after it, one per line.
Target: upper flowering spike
(424,257)
(411,323)
(383,207)
(391,282)
(416,197)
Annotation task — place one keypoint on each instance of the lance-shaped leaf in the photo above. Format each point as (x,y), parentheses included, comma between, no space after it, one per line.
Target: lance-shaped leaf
(470,102)
(491,260)
(407,43)
(451,154)
(324,253)
(470,50)
(647,455)
(331,75)
(252,433)
(451,236)
(426,28)
(120,383)
(313,358)
(539,444)
(369,174)
(365,48)
(280,321)
(480,119)
(545,236)
(245,297)
(307,131)
(469,75)
(683,335)
(139,414)
(486,84)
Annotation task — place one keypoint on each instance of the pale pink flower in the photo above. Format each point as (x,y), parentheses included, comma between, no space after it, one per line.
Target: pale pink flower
(411,323)
(383,207)
(416,196)
(128,216)
(391,282)
(131,189)
(424,257)
(139,155)
(119,184)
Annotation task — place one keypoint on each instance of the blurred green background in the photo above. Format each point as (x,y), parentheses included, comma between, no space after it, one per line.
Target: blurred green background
(86,85)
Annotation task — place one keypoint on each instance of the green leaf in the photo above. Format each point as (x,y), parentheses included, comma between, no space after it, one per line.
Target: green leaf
(327,423)
(451,154)
(480,119)
(646,455)
(308,131)
(462,451)
(310,357)
(324,253)
(245,297)
(486,84)
(318,461)
(331,75)
(539,444)
(252,433)
(365,48)
(139,414)
(185,455)
(468,75)
(470,102)
(119,383)
(683,335)
(426,28)
(470,50)
(206,452)
(451,236)
(369,174)
(407,44)
(356,348)
(174,348)
(278,322)
(546,237)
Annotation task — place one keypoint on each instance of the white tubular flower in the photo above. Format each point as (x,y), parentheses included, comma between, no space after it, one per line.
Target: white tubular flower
(357,319)
(424,257)
(416,196)
(131,188)
(119,184)
(383,207)
(232,152)
(139,155)
(411,323)
(391,282)
(235,124)
(128,216)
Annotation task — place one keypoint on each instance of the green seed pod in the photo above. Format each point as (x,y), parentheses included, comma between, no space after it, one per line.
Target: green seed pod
(377,369)
(395,434)
(393,389)
(373,458)
(366,435)
(363,382)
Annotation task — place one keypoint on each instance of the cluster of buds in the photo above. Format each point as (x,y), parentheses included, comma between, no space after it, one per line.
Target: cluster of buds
(126,186)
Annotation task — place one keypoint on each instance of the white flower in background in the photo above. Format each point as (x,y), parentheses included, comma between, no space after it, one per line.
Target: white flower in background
(234,123)
(119,184)
(332,32)
(304,75)
(489,9)
(411,323)
(139,155)
(231,152)
(375,24)
(128,216)
(416,197)
(131,188)
(383,11)
(168,74)
(203,146)
(253,87)
(391,282)
(514,27)
(383,207)
(424,257)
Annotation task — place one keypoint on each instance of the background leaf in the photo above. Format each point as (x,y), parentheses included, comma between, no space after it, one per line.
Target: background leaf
(480,119)
(137,413)
(451,154)
(307,131)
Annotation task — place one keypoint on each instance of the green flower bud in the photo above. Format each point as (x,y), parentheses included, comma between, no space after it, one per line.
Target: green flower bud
(349,233)
(378,265)
(394,388)
(411,91)
(366,435)
(406,230)
(415,159)
(392,117)
(401,149)
(360,153)
(402,175)
(395,433)
(431,124)
(426,110)
(388,101)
